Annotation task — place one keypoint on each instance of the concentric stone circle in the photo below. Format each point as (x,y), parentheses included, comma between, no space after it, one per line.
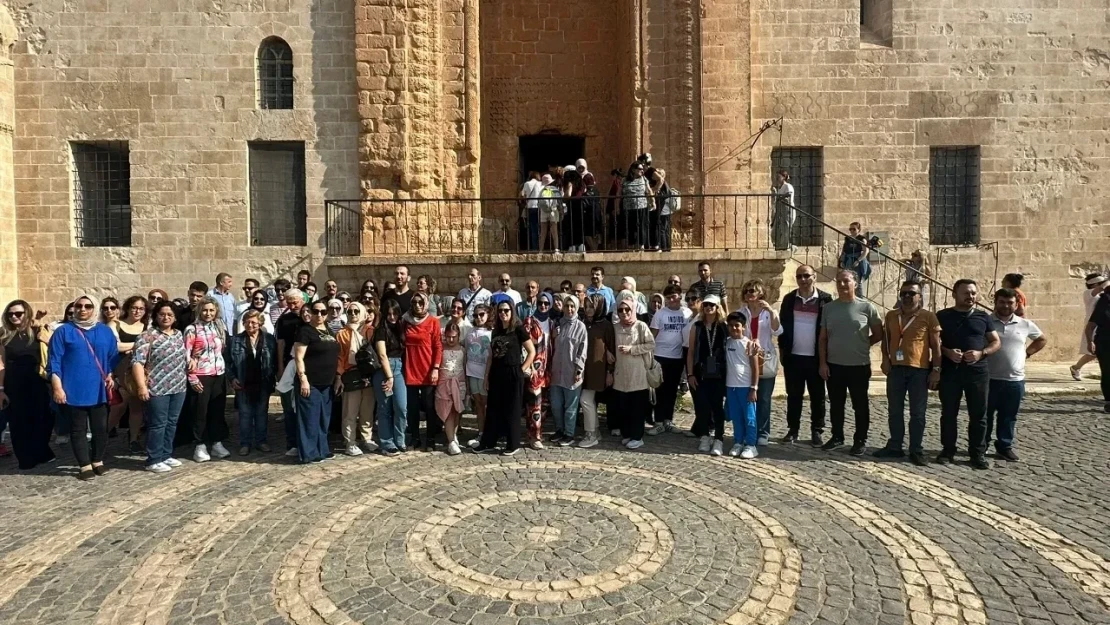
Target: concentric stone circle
(426,551)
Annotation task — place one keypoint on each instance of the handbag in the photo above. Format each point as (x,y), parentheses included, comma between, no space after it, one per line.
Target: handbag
(114,398)
(353,381)
(654,372)
(770,363)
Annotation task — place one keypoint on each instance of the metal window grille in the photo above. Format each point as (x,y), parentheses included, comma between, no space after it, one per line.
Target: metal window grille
(275,74)
(954,196)
(277,191)
(102,194)
(807,174)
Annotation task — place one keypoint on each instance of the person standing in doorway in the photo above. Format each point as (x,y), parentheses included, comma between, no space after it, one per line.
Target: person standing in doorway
(1007,370)
(782,219)
(801,317)
(849,327)
(529,231)
(911,364)
(1096,283)
(967,340)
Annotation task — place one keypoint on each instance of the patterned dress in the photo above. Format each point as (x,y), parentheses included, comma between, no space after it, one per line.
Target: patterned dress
(536,401)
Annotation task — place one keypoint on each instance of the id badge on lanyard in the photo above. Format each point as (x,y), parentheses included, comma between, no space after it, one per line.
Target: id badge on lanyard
(900,355)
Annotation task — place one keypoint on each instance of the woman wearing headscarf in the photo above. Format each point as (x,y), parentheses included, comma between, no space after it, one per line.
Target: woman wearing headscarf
(423,358)
(597,372)
(205,339)
(509,364)
(628,283)
(336,319)
(80,357)
(261,302)
(24,392)
(358,395)
(539,327)
(252,372)
(389,381)
(635,344)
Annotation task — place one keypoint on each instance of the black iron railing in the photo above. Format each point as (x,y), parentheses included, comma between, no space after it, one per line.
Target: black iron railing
(511,225)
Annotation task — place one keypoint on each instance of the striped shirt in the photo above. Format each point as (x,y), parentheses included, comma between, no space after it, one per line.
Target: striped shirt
(713,287)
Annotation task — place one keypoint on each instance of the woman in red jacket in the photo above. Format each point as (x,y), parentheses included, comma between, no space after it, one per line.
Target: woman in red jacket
(423,357)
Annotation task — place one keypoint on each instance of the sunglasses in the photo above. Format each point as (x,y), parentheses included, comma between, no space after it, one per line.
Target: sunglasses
(15,313)
(155,298)
(336,308)
(749,291)
(907,293)
(544,304)
(345,298)
(506,281)
(319,311)
(504,311)
(624,309)
(107,307)
(457,308)
(804,276)
(85,306)
(481,314)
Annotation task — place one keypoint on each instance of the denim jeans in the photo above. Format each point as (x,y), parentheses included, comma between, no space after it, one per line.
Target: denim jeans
(313,419)
(1004,397)
(252,417)
(763,406)
(393,411)
(289,412)
(970,383)
(161,414)
(740,412)
(564,407)
(900,381)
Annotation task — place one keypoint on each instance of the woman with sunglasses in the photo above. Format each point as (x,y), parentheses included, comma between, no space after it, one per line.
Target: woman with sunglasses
(205,339)
(423,359)
(509,364)
(369,288)
(635,344)
(156,296)
(109,311)
(536,398)
(356,389)
(427,285)
(389,381)
(457,313)
(80,355)
(277,308)
(763,326)
(128,328)
(61,417)
(315,353)
(260,303)
(337,319)
(476,342)
(24,393)
(705,366)
(160,367)
(635,202)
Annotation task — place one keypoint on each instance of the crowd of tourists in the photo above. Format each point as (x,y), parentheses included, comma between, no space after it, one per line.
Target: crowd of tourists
(389,357)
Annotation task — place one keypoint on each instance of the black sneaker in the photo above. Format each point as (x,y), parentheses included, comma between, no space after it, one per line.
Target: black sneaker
(980,462)
(887,452)
(816,440)
(857,449)
(833,443)
(566,441)
(391,452)
(918,458)
(945,458)
(790,438)
(1008,454)
(135,447)
(555,439)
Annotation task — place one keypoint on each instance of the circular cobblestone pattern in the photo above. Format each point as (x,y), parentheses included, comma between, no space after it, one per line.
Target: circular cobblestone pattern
(574,537)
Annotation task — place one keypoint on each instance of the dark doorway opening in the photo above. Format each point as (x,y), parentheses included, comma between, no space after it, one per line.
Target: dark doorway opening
(548,151)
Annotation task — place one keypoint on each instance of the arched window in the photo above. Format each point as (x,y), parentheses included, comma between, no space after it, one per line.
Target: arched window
(275,74)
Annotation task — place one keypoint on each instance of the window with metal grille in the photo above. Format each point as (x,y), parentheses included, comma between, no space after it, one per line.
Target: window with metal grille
(807,175)
(275,74)
(954,195)
(277,189)
(101,193)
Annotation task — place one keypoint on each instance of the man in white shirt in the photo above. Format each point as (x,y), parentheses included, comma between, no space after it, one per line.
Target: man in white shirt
(668,325)
(505,285)
(1007,370)
(530,193)
(800,315)
(474,294)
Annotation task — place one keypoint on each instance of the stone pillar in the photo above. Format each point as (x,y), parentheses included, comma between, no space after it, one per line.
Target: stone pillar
(8,243)
(417,67)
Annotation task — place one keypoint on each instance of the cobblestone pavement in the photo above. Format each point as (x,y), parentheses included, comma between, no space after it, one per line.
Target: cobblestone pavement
(573,536)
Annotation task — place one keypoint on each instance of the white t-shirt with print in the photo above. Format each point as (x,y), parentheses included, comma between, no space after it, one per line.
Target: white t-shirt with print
(671,325)
(738,371)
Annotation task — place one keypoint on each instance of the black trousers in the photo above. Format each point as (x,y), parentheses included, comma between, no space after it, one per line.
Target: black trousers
(667,393)
(505,402)
(709,408)
(422,400)
(851,381)
(30,421)
(972,384)
(209,420)
(94,419)
(803,372)
(1102,352)
(634,404)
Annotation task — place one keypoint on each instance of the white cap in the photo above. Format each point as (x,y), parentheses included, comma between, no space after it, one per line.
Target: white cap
(711,299)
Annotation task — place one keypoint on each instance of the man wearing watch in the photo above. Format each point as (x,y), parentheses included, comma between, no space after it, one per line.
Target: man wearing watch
(911,364)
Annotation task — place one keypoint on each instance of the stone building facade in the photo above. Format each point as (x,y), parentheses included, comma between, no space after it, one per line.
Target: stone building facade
(431,98)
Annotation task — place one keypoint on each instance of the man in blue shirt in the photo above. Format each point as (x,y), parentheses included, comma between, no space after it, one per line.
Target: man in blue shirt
(222,294)
(597,287)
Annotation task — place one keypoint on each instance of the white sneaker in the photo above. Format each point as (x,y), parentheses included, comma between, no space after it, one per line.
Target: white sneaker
(200,454)
(1075,375)
(172,463)
(656,430)
(292,453)
(705,444)
(736,449)
(61,440)
(614,432)
(453,449)
(158,467)
(219,450)
(718,448)
(762,440)
(625,441)
(474,442)
(589,441)
(353,450)
(537,445)
(750,451)
(635,444)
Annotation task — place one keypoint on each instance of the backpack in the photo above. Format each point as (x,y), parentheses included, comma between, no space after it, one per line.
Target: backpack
(550,198)
(673,203)
(366,359)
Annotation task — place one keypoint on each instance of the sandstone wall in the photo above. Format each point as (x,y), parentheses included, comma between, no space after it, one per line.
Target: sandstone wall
(175,78)
(1030,85)
(9,244)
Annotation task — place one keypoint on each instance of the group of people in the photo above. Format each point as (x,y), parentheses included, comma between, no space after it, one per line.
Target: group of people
(384,361)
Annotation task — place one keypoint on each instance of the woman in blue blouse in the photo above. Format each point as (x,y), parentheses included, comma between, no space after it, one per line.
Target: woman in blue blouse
(80,356)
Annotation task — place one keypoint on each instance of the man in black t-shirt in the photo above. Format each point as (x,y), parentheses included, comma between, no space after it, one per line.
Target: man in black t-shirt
(967,338)
(285,331)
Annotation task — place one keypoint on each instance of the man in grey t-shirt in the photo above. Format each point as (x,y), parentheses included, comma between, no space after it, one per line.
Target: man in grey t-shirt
(849,327)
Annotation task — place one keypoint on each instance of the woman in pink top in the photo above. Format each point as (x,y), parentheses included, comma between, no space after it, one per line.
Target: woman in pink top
(204,342)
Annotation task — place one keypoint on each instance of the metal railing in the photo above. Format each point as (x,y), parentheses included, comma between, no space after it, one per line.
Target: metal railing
(376,227)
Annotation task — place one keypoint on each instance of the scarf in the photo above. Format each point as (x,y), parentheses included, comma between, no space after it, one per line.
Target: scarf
(412,320)
(85,325)
(539,314)
(356,326)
